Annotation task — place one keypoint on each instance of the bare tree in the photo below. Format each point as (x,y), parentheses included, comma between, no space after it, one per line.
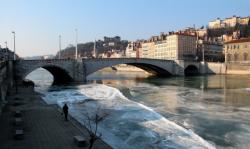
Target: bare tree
(91,122)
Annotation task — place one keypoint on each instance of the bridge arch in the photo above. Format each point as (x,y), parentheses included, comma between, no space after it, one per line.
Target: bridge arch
(60,75)
(191,70)
(157,67)
(151,69)
(60,72)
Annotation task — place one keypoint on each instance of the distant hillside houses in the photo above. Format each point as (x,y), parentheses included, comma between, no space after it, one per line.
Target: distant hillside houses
(232,28)
(108,47)
(43,57)
(228,22)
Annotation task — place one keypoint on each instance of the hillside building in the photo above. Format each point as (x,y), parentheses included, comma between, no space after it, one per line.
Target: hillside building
(237,51)
(228,22)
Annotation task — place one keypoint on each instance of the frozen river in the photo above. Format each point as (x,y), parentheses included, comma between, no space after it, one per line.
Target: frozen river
(147,112)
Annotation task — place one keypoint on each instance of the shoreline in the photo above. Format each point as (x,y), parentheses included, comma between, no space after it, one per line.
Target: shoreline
(35,109)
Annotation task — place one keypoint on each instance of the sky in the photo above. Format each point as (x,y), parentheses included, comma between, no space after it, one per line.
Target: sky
(38,23)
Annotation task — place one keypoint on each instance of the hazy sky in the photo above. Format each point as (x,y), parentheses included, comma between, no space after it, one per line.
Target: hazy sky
(38,23)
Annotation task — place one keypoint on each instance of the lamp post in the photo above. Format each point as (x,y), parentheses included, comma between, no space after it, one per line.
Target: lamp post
(14,34)
(6,51)
(6,44)
(59,55)
(95,49)
(15,77)
(76,45)
(203,54)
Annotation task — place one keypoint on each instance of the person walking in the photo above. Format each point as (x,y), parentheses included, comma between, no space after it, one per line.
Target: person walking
(65,111)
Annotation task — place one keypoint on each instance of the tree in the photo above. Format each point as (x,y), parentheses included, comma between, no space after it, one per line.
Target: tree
(91,122)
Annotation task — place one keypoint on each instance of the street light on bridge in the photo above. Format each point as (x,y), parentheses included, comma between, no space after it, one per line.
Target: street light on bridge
(14,34)
(6,44)
(59,55)
(76,45)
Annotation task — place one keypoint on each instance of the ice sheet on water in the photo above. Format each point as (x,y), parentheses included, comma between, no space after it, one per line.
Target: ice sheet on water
(128,124)
(71,96)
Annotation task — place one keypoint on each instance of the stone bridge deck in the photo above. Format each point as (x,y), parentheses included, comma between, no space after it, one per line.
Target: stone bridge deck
(66,70)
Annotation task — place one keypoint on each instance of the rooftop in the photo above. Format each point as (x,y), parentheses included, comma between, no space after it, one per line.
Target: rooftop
(238,41)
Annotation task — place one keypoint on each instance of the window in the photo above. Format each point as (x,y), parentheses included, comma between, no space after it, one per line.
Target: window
(229,57)
(236,57)
(245,56)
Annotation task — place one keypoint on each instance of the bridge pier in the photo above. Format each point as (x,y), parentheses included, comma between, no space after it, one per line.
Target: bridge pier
(203,68)
(79,72)
(179,68)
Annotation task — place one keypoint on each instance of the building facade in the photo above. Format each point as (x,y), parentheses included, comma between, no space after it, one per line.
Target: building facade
(175,46)
(161,50)
(214,24)
(132,49)
(237,51)
(210,51)
(228,22)
(182,47)
(147,50)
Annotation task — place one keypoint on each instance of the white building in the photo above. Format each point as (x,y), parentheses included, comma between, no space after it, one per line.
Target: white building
(174,47)
(131,50)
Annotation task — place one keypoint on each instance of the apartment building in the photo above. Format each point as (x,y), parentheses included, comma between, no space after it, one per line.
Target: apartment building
(213,51)
(147,50)
(161,50)
(228,22)
(132,49)
(181,46)
(175,46)
(237,50)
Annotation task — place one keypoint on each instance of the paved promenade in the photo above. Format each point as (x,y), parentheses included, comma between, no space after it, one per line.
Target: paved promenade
(44,126)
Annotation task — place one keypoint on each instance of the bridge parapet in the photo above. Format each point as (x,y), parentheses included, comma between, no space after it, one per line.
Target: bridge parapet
(48,60)
(127,59)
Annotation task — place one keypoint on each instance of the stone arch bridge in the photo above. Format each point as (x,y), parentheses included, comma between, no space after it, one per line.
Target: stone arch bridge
(68,70)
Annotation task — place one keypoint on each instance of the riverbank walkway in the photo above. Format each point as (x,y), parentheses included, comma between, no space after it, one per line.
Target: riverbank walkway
(44,126)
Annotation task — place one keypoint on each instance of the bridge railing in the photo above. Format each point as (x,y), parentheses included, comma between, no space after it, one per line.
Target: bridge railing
(100,59)
(125,59)
(48,60)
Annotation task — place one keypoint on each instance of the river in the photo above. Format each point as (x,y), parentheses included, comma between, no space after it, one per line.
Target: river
(150,112)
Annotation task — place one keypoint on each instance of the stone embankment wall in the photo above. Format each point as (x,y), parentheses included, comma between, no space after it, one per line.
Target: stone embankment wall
(215,68)
(6,81)
(238,68)
(230,68)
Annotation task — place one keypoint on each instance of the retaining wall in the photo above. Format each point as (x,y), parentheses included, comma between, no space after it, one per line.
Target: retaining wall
(215,68)
(6,81)
(238,68)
